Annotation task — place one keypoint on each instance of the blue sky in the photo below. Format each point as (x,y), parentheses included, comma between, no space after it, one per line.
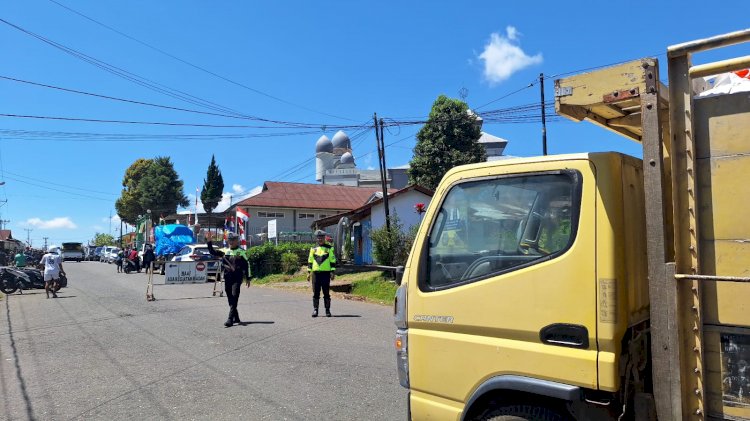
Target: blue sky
(320,63)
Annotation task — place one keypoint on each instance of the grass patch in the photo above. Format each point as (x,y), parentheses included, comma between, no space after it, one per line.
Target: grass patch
(279,277)
(373,286)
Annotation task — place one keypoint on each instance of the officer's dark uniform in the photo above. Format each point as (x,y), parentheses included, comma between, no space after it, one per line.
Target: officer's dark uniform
(322,263)
(236,270)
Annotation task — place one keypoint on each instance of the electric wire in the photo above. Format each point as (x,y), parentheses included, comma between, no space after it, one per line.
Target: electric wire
(257,91)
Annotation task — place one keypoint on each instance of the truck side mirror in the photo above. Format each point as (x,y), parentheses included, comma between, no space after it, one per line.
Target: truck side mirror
(399,274)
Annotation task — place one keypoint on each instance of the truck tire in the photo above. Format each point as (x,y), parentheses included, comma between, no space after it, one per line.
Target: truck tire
(522,413)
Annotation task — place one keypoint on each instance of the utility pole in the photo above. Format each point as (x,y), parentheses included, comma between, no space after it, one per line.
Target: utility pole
(383,171)
(110,222)
(544,117)
(3,222)
(45,243)
(28,236)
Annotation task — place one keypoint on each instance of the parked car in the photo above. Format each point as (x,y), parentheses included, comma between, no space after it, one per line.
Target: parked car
(110,254)
(199,252)
(97,256)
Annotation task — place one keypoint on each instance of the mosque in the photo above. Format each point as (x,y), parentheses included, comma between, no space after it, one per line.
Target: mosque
(334,162)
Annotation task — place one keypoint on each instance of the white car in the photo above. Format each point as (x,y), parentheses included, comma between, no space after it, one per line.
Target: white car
(198,252)
(109,254)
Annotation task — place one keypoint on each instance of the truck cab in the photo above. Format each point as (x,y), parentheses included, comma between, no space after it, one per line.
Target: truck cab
(507,249)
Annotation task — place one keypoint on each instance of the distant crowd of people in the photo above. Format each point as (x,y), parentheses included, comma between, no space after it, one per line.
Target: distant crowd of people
(129,256)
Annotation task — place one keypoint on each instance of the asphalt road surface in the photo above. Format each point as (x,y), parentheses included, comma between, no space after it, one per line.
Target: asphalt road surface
(101,351)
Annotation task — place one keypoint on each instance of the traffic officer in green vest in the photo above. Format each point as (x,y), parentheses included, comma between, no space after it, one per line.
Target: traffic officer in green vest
(322,265)
(235,271)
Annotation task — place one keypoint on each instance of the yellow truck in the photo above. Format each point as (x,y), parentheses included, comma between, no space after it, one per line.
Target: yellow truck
(596,285)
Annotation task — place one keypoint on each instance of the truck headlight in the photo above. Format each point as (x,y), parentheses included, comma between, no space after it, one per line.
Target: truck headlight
(402,356)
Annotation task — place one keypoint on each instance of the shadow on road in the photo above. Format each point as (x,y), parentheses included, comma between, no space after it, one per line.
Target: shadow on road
(255,323)
(19,374)
(346,315)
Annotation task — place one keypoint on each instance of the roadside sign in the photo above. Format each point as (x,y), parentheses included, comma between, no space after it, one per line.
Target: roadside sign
(272,229)
(185,273)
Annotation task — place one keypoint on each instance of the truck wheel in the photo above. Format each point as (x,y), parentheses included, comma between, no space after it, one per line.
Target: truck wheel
(521,413)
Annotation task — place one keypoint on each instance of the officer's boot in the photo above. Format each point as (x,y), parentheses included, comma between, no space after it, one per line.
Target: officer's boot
(327,302)
(316,303)
(236,317)
(228,323)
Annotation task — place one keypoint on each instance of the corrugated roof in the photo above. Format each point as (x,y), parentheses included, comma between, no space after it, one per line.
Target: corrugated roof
(310,196)
(5,235)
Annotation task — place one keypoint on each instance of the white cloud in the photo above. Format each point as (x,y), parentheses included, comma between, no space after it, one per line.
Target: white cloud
(503,56)
(98,228)
(115,219)
(54,223)
(237,188)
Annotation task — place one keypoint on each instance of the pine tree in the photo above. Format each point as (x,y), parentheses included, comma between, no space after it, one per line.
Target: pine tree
(449,138)
(213,186)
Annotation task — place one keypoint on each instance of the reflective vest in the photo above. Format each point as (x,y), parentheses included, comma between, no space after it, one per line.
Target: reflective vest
(322,259)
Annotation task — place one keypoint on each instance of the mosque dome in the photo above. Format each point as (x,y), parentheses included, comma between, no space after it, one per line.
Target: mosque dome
(341,140)
(324,145)
(347,159)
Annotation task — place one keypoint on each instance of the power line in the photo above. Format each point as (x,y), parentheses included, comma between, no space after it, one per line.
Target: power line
(57,190)
(257,91)
(149,104)
(122,73)
(61,185)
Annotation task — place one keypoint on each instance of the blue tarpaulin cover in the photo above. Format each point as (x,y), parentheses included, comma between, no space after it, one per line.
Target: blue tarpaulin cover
(171,238)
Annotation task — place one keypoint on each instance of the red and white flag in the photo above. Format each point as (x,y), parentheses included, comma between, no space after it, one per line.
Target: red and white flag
(242,217)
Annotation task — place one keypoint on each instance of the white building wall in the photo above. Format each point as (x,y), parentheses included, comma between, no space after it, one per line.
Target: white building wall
(403,205)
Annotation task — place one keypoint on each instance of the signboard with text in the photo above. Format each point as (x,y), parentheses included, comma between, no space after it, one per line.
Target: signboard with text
(272,228)
(186,272)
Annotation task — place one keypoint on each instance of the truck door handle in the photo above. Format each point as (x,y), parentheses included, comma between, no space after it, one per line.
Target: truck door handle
(564,334)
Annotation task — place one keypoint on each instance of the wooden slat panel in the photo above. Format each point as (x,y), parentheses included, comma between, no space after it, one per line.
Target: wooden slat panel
(722,125)
(723,213)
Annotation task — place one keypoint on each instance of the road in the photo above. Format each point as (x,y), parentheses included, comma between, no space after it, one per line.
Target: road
(101,351)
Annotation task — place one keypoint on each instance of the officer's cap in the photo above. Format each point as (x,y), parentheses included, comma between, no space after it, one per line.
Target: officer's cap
(320,233)
(232,236)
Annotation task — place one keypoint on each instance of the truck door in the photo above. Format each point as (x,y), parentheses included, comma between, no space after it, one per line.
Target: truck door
(506,280)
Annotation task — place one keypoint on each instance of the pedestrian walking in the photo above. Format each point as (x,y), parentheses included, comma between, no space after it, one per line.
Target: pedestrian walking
(148,258)
(322,266)
(52,270)
(235,271)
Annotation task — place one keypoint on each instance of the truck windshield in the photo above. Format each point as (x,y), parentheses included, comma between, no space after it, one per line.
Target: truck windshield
(72,246)
(491,226)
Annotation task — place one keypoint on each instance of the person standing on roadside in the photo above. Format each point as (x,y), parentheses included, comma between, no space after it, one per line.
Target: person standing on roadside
(20,259)
(322,266)
(52,270)
(235,271)
(148,258)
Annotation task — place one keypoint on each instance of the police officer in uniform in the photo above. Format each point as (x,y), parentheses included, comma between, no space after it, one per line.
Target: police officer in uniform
(235,269)
(322,265)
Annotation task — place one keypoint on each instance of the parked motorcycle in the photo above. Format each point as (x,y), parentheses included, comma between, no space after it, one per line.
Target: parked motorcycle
(12,280)
(17,279)
(128,265)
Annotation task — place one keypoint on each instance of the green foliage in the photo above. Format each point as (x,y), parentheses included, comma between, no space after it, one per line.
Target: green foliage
(449,138)
(103,240)
(555,239)
(289,263)
(374,287)
(213,187)
(266,259)
(391,248)
(150,184)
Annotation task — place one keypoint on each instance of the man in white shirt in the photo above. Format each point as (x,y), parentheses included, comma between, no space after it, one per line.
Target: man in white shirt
(52,270)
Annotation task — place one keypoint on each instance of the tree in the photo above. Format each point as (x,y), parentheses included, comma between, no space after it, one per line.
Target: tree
(161,190)
(213,186)
(128,206)
(103,240)
(449,138)
(150,184)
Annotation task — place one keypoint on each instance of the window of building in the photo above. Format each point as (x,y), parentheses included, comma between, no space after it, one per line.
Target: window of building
(322,215)
(270,214)
(488,227)
(306,216)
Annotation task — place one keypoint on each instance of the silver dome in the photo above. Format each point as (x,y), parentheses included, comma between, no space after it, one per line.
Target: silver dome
(347,158)
(324,145)
(341,140)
